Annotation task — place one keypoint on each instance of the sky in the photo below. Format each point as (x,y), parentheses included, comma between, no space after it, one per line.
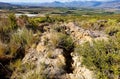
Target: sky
(46,0)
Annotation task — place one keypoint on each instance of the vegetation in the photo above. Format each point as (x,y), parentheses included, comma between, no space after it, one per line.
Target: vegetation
(14,41)
(102,57)
(63,41)
(18,34)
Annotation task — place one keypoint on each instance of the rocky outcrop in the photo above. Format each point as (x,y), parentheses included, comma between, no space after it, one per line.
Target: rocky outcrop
(81,35)
(50,62)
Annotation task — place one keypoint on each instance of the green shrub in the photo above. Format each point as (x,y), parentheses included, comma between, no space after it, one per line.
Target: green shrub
(8,24)
(35,22)
(22,38)
(112,22)
(63,41)
(101,57)
(112,30)
(13,21)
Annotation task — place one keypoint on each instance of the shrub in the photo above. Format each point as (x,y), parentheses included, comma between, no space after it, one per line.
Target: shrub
(35,22)
(22,38)
(13,21)
(3,49)
(112,22)
(4,25)
(117,40)
(15,65)
(33,73)
(102,57)
(112,30)
(22,21)
(4,30)
(63,41)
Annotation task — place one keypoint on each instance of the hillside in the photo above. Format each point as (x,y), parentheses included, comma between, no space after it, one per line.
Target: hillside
(111,4)
(62,47)
(7,5)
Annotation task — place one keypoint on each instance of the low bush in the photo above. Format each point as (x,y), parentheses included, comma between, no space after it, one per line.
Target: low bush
(102,57)
(23,38)
(112,30)
(63,41)
(3,49)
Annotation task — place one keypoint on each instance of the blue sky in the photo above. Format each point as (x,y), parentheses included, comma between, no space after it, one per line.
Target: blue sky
(46,0)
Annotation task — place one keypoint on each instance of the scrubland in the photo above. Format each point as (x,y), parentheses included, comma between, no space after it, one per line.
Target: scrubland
(60,47)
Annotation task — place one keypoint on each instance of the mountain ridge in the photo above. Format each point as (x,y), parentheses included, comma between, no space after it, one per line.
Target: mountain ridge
(77,4)
(4,5)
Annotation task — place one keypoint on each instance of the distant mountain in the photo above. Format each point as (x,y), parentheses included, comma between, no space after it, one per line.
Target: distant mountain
(64,4)
(7,5)
(4,5)
(110,4)
(52,4)
(84,4)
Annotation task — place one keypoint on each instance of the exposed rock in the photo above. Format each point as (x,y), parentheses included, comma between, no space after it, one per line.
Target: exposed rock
(81,35)
(57,63)
(80,71)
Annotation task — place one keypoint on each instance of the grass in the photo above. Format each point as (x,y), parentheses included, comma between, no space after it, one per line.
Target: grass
(112,30)
(3,49)
(16,64)
(22,38)
(61,40)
